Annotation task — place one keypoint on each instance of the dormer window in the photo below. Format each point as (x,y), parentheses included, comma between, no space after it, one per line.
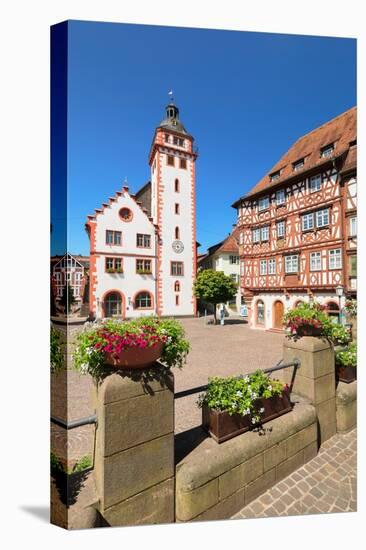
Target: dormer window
(327,151)
(263,203)
(298,164)
(275,176)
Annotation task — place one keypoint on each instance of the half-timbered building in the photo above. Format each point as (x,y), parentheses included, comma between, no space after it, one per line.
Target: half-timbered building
(297,226)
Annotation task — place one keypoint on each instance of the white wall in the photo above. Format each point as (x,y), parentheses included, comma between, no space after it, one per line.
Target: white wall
(129,283)
(289,303)
(222,263)
(169,220)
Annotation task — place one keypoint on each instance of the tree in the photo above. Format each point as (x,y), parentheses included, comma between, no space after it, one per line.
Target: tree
(67,298)
(214,287)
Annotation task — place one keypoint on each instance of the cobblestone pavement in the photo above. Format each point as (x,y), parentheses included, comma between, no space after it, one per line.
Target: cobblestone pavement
(231,349)
(325,484)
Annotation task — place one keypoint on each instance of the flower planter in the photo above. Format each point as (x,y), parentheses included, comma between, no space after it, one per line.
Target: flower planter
(346,374)
(134,358)
(221,426)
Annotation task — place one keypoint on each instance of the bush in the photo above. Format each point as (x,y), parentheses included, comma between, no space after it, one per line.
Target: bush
(348,357)
(56,353)
(239,395)
(351,307)
(340,335)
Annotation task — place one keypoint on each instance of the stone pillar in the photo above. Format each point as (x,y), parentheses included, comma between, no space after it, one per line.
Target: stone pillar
(134,457)
(315,379)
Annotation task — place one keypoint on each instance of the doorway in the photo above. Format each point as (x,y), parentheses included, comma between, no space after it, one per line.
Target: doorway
(278,311)
(113,305)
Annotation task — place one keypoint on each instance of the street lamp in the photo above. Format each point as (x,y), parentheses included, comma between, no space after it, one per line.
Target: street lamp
(339,292)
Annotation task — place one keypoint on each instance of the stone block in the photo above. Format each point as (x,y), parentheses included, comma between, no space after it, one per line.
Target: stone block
(301,439)
(152,506)
(346,393)
(130,472)
(346,406)
(274,455)
(324,388)
(311,451)
(234,479)
(136,420)
(327,430)
(189,504)
(128,384)
(346,417)
(224,509)
(260,485)
(289,465)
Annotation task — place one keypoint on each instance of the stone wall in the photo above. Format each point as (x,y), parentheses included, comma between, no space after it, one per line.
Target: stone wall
(215,481)
(346,406)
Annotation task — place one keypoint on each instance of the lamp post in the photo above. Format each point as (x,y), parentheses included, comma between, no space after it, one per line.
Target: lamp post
(339,292)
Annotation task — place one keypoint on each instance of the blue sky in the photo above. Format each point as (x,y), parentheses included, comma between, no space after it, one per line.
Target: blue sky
(245,97)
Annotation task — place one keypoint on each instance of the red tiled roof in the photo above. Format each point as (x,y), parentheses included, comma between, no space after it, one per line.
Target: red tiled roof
(230,244)
(351,160)
(340,131)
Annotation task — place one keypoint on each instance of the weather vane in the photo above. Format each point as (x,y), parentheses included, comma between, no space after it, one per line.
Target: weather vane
(170,94)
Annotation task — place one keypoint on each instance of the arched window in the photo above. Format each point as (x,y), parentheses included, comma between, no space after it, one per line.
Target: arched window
(177,286)
(176,185)
(260,312)
(333,311)
(177,233)
(113,304)
(143,300)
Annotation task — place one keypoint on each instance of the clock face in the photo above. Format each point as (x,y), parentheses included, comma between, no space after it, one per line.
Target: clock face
(178,246)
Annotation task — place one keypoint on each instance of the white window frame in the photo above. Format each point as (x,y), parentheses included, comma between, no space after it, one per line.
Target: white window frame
(315,261)
(292,263)
(263,203)
(335,258)
(272,266)
(298,164)
(265,231)
(281,233)
(327,151)
(322,217)
(280,197)
(305,225)
(233,260)
(256,235)
(315,183)
(263,267)
(275,176)
(353,226)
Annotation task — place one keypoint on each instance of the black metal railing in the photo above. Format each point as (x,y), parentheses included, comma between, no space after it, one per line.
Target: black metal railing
(296,363)
(74,423)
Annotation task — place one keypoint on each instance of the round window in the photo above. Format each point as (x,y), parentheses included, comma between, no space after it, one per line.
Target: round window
(125,214)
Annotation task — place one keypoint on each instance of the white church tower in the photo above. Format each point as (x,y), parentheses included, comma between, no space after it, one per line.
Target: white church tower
(173,209)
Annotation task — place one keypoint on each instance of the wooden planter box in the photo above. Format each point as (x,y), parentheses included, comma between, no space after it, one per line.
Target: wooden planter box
(346,374)
(221,426)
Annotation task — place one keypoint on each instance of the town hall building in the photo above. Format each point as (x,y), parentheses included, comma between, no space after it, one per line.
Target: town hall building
(143,256)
